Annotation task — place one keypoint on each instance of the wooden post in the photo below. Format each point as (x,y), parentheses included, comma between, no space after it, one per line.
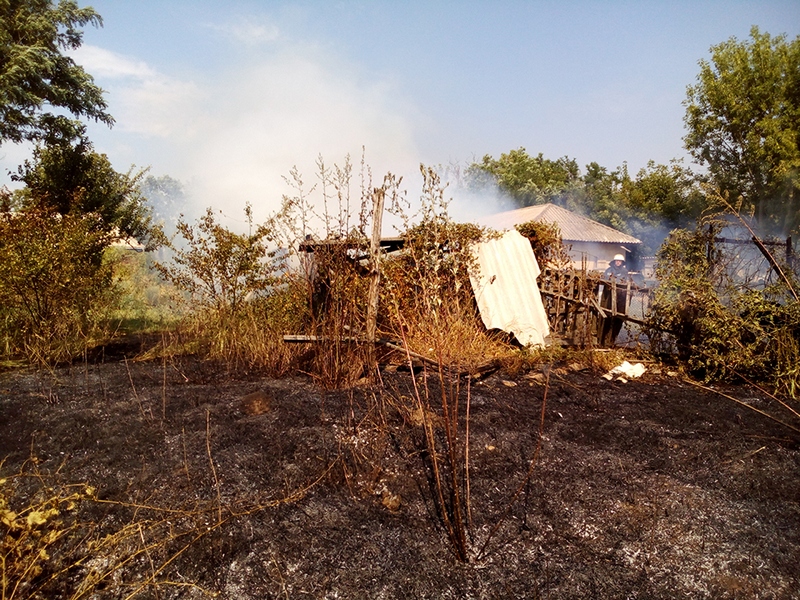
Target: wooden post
(378,197)
(773,263)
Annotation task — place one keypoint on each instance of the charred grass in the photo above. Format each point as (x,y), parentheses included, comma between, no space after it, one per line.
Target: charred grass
(211,483)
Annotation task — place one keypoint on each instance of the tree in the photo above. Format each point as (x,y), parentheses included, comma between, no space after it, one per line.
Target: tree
(35,75)
(167,198)
(70,178)
(660,198)
(598,196)
(669,193)
(743,120)
(527,179)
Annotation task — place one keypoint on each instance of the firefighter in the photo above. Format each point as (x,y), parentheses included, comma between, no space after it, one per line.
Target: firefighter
(616,272)
(616,269)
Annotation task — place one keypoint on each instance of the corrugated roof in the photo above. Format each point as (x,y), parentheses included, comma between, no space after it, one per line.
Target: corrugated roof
(505,288)
(574,227)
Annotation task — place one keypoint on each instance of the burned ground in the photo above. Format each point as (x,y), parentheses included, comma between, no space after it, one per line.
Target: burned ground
(649,489)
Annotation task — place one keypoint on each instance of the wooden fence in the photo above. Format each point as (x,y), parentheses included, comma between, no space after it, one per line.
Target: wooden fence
(585,310)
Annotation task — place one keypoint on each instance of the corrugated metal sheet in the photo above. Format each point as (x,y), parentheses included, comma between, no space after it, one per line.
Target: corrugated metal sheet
(574,227)
(506,290)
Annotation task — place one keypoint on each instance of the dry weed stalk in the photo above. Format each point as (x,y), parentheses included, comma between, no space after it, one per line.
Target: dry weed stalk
(211,462)
(439,405)
(48,550)
(432,311)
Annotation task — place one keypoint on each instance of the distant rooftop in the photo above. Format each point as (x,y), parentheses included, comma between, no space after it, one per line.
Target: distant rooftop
(574,227)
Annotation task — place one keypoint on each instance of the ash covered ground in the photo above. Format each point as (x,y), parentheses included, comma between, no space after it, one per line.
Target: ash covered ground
(239,486)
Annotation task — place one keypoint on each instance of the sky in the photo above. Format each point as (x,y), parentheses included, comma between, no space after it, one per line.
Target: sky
(229,97)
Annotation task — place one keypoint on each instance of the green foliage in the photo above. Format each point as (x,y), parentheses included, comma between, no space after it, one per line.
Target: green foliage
(239,307)
(71,179)
(548,246)
(667,192)
(437,249)
(218,268)
(658,199)
(686,303)
(598,197)
(35,74)
(56,288)
(528,180)
(720,329)
(54,284)
(743,121)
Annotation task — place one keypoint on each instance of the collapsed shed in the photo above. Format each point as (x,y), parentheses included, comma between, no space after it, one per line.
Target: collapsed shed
(504,283)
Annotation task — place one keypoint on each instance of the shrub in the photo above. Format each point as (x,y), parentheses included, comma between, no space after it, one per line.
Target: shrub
(239,303)
(219,269)
(55,286)
(721,328)
(427,295)
(547,244)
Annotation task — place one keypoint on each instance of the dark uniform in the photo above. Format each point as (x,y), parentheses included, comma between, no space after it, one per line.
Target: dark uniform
(611,326)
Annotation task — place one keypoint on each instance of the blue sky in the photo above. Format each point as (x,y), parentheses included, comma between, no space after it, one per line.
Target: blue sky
(227,97)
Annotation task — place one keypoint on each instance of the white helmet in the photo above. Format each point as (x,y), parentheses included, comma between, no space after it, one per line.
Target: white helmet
(619,257)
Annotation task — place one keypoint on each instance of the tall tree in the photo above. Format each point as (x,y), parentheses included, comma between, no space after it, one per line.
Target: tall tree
(166,197)
(671,194)
(70,178)
(36,76)
(743,121)
(527,179)
(660,198)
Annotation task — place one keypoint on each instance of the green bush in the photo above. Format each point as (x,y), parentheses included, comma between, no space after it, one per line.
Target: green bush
(718,327)
(218,268)
(238,305)
(55,286)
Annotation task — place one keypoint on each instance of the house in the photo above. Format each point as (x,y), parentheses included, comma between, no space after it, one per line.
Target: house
(585,239)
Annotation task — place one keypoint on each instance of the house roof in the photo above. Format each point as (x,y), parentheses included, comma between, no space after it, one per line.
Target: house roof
(574,227)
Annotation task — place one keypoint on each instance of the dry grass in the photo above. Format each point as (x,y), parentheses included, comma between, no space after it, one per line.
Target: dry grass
(50,545)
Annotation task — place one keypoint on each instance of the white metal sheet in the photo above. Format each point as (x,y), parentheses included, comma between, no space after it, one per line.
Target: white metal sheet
(506,290)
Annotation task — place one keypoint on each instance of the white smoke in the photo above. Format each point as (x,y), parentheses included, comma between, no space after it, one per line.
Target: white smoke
(232,139)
